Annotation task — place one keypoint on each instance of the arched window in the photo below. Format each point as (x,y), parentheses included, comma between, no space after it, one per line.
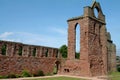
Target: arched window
(96,12)
(34,52)
(20,51)
(77,31)
(46,53)
(57,53)
(4,47)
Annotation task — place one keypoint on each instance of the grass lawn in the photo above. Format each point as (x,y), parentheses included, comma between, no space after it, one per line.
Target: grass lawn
(115,76)
(58,78)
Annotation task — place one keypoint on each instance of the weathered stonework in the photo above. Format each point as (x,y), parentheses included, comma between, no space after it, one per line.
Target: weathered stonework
(44,58)
(97,52)
(15,65)
(111,48)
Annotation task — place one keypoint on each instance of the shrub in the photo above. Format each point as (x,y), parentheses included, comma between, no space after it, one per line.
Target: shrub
(55,70)
(118,68)
(18,76)
(26,74)
(39,73)
(49,74)
(1,77)
(11,76)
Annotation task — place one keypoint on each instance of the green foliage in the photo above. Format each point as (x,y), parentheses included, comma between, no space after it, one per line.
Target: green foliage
(18,76)
(26,74)
(118,58)
(48,74)
(77,55)
(55,70)
(39,73)
(11,76)
(63,51)
(118,68)
(3,77)
(4,49)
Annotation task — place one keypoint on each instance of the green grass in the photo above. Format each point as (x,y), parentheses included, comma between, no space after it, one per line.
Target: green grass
(114,75)
(58,78)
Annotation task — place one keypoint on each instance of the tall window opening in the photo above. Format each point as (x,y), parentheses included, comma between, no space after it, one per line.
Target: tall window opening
(57,53)
(4,48)
(77,31)
(34,52)
(96,12)
(20,51)
(46,53)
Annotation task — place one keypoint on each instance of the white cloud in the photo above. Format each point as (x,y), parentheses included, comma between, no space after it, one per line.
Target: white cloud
(6,34)
(34,39)
(61,31)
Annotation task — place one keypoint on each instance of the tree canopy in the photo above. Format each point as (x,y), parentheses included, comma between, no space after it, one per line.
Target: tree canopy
(63,51)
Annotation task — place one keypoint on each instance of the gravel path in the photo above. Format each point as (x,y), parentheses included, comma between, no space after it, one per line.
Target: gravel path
(88,78)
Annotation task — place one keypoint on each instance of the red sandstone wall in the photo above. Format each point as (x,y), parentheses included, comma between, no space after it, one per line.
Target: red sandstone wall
(15,65)
(71,67)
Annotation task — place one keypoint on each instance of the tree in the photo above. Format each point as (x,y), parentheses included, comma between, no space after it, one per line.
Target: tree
(77,55)
(63,51)
(4,47)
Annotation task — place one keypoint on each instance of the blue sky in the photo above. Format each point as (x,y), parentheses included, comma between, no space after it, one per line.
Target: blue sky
(44,22)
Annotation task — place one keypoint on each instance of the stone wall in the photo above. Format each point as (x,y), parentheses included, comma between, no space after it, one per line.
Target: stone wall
(25,50)
(111,48)
(16,57)
(15,65)
(70,67)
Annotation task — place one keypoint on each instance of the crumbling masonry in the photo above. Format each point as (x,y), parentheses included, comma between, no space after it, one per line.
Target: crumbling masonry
(17,57)
(97,51)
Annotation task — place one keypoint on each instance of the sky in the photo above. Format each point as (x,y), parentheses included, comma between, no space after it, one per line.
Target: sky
(44,22)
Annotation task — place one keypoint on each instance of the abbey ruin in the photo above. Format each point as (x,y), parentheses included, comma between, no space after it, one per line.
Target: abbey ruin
(97,50)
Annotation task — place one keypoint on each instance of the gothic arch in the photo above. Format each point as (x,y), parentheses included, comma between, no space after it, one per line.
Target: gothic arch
(97,6)
(77,41)
(72,38)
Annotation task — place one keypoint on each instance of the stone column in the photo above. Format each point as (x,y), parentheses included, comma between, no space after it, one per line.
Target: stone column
(113,58)
(41,50)
(37,51)
(103,38)
(50,52)
(30,51)
(71,40)
(25,51)
(9,49)
(17,49)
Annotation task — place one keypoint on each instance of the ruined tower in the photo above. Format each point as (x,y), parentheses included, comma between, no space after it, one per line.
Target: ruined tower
(93,44)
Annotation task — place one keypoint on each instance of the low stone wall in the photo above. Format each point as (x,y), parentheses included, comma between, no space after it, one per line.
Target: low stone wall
(71,67)
(15,65)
